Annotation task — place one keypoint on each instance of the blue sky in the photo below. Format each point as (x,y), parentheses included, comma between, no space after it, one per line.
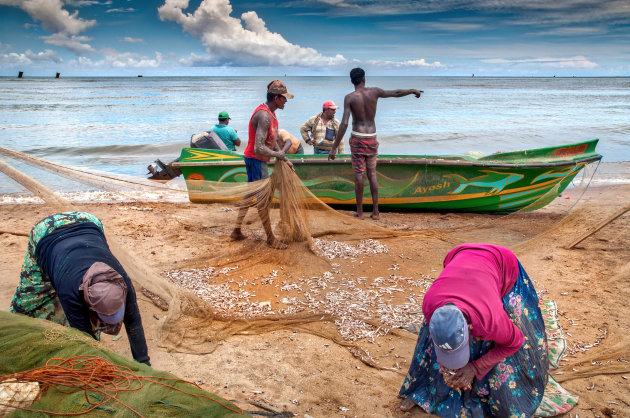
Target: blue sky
(315,37)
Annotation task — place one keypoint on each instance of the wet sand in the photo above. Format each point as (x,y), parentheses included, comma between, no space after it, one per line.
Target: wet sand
(308,375)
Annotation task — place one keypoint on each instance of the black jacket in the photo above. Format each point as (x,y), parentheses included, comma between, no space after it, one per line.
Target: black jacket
(64,256)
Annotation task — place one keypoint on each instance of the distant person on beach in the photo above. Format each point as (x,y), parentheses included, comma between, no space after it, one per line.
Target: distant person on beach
(363,143)
(482,349)
(320,130)
(261,146)
(227,134)
(69,276)
(288,143)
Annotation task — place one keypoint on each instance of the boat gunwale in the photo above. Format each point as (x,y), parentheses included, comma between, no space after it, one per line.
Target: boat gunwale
(425,161)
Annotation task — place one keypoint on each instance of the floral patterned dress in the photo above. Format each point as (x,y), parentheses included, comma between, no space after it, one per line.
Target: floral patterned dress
(513,388)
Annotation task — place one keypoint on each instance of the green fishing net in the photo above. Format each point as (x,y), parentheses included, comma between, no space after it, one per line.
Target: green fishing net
(27,343)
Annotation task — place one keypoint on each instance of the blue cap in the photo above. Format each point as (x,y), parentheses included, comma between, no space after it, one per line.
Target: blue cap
(115,318)
(449,331)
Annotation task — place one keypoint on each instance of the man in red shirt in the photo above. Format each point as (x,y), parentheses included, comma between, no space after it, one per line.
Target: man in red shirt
(261,146)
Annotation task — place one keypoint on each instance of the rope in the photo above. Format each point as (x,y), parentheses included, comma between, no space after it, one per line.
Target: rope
(94,374)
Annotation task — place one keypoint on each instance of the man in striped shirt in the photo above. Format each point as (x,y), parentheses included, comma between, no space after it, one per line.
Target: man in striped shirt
(322,128)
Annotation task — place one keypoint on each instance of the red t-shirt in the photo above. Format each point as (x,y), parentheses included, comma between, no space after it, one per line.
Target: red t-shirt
(272,134)
(475,279)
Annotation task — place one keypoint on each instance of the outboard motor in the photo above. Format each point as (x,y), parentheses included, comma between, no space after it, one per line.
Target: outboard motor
(207,140)
(161,171)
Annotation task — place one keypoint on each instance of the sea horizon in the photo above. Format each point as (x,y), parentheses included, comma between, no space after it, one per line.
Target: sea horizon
(305,76)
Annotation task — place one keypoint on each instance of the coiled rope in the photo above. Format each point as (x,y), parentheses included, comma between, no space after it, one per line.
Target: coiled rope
(94,374)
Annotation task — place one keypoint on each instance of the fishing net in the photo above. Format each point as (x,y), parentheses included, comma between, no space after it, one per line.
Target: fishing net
(74,375)
(193,324)
(298,215)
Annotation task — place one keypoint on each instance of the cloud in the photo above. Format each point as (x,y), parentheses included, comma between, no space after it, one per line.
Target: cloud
(72,42)
(121,10)
(29,57)
(82,3)
(341,3)
(419,63)
(132,40)
(240,42)
(453,26)
(571,62)
(52,16)
(118,59)
(520,12)
(247,42)
(572,31)
(561,12)
(64,26)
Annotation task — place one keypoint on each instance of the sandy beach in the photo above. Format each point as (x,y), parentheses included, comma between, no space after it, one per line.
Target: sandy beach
(309,375)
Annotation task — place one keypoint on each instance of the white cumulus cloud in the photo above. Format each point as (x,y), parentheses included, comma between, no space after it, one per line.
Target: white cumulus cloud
(65,26)
(113,59)
(71,42)
(29,57)
(244,41)
(118,59)
(53,17)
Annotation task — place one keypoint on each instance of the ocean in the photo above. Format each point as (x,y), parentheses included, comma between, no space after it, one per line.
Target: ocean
(122,124)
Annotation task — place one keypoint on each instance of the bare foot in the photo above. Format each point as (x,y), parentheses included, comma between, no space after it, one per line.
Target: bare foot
(237,235)
(358,215)
(376,216)
(406,404)
(278,245)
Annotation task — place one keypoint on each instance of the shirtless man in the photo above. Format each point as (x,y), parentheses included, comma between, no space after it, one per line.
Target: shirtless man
(261,146)
(363,143)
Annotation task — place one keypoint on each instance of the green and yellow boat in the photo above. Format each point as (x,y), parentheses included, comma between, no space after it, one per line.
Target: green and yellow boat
(502,182)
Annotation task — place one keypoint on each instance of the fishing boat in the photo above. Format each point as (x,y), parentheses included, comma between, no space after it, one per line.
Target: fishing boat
(501,182)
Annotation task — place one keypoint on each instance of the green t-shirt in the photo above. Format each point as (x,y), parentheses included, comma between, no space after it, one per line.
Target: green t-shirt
(227,134)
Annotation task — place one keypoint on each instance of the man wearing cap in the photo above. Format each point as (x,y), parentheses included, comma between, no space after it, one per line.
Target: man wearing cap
(320,130)
(363,142)
(261,146)
(227,134)
(69,276)
(482,350)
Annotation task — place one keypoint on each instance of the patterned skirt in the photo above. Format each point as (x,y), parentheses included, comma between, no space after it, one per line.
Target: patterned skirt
(513,388)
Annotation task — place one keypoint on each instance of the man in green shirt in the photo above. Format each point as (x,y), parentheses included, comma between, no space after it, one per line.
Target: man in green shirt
(227,134)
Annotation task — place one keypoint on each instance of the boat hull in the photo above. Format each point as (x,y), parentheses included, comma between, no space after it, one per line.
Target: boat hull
(503,182)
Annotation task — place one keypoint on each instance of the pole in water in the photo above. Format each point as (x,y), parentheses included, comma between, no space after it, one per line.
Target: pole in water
(20,74)
(57,75)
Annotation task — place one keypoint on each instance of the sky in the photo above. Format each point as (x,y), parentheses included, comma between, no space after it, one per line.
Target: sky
(315,37)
